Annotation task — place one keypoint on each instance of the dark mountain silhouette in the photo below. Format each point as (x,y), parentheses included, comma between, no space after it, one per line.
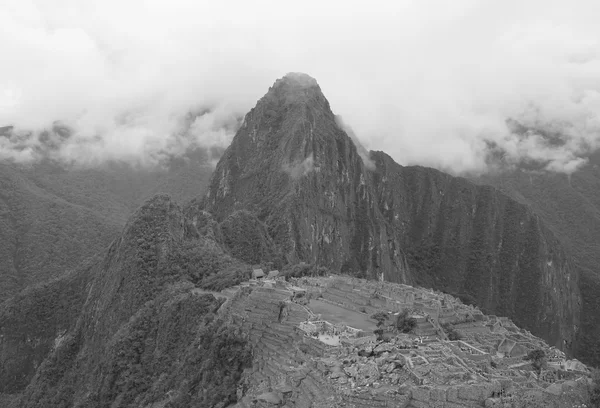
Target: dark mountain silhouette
(296,170)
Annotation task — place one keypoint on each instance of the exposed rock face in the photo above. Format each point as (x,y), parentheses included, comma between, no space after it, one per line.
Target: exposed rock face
(476,242)
(299,173)
(570,206)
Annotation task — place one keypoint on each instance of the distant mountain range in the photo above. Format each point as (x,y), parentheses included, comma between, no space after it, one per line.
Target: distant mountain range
(53,216)
(123,325)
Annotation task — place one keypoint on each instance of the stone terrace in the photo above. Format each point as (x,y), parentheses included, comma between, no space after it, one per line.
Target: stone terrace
(292,368)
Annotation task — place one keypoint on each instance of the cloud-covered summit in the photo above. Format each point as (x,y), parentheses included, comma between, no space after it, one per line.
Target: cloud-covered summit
(431,83)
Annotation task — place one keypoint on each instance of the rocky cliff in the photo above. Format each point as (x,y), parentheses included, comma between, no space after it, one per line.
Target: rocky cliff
(293,167)
(479,244)
(570,206)
(300,174)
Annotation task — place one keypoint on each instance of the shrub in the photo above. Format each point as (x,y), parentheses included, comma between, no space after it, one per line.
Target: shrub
(303,269)
(380,317)
(452,334)
(537,358)
(404,323)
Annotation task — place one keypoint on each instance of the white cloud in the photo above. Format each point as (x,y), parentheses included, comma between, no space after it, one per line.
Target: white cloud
(430,82)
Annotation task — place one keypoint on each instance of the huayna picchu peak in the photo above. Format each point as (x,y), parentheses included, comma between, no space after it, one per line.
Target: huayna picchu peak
(297,171)
(311,273)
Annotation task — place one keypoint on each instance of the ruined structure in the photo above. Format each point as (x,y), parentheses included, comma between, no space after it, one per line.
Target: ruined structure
(308,360)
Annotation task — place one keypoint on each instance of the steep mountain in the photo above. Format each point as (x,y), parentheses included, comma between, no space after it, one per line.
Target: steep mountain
(477,243)
(298,172)
(130,326)
(570,206)
(144,323)
(53,216)
(293,167)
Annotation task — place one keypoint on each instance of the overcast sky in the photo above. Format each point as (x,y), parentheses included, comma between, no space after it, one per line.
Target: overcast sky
(429,82)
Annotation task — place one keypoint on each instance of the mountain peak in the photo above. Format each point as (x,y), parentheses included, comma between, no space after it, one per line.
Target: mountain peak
(297,80)
(295,88)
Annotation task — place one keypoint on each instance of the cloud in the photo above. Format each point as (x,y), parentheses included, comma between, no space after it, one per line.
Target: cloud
(430,82)
(300,168)
(362,152)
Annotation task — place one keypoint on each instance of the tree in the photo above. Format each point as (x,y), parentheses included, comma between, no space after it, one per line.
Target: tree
(537,358)
(452,334)
(404,323)
(380,317)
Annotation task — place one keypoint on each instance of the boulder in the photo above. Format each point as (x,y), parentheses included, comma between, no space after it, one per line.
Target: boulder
(369,371)
(337,372)
(383,347)
(352,371)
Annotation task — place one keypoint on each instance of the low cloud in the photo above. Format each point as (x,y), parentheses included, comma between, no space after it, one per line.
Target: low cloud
(362,152)
(301,168)
(434,83)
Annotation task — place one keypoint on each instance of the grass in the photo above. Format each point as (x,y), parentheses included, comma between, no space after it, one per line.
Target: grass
(336,314)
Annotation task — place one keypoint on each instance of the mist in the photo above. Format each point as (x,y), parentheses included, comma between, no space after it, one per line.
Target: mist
(434,83)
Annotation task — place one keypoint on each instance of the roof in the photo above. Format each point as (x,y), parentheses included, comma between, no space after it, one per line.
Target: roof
(273,274)
(258,273)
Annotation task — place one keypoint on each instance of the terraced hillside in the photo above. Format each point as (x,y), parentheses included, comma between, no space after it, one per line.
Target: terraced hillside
(302,360)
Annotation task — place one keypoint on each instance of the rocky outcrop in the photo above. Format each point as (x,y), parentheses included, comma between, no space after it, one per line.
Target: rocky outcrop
(293,166)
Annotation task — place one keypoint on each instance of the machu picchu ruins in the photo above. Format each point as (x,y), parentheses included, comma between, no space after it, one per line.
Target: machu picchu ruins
(314,346)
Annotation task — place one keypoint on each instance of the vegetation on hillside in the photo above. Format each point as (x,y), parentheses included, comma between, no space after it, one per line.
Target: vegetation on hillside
(537,358)
(247,239)
(380,318)
(144,332)
(54,216)
(404,323)
(206,265)
(175,350)
(303,269)
(451,333)
(31,321)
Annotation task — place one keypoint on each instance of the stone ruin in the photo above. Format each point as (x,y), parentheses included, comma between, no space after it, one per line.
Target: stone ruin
(302,360)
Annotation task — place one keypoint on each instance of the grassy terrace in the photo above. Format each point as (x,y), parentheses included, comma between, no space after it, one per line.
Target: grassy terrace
(336,314)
